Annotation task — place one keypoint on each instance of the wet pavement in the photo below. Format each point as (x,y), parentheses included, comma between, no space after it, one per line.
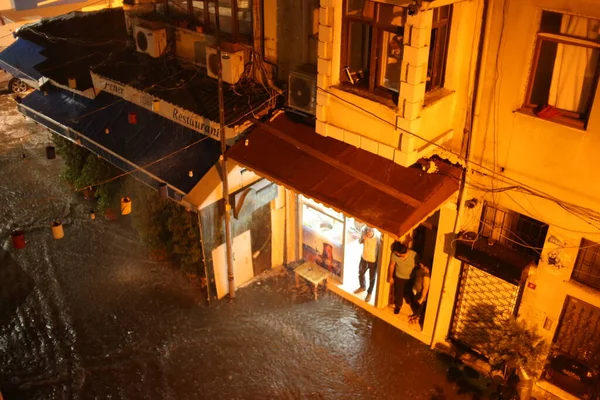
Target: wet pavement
(92,317)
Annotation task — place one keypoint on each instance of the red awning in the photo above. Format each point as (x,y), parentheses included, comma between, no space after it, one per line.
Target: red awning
(356,182)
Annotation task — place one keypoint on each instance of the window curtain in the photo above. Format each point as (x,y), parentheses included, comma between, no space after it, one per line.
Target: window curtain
(574,66)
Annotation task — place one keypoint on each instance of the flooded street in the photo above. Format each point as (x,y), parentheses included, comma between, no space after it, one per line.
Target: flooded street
(92,317)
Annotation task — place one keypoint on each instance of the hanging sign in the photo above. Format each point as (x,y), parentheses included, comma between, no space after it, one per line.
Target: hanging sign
(165,109)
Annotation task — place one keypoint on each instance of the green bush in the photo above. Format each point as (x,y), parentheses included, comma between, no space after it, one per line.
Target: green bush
(166,228)
(84,169)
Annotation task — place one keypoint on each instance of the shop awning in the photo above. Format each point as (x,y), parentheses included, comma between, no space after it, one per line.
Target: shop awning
(356,182)
(19,60)
(162,150)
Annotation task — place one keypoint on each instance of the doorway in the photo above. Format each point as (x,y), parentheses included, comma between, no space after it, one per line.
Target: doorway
(242,264)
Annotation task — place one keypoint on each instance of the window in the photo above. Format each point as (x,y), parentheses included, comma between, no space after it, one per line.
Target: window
(587,266)
(438,47)
(372,54)
(235,17)
(523,234)
(565,68)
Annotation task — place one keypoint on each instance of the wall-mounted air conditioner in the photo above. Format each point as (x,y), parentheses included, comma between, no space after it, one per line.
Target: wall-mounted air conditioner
(150,39)
(232,64)
(302,91)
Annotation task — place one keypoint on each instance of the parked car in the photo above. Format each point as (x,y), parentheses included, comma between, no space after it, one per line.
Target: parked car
(13,85)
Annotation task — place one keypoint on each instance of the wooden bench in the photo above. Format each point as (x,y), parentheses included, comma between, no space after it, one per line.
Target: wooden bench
(312,273)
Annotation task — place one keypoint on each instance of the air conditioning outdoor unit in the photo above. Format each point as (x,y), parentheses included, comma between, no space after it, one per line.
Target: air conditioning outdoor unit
(150,40)
(232,64)
(302,91)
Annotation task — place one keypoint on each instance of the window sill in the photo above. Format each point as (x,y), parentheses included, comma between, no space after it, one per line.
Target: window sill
(559,119)
(380,97)
(436,95)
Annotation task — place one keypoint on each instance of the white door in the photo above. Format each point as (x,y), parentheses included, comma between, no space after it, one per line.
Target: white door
(242,263)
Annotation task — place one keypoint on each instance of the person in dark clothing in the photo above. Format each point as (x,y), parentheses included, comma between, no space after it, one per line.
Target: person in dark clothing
(420,289)
(402,263)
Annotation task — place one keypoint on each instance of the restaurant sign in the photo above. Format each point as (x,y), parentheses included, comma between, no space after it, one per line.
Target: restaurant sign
(165,109)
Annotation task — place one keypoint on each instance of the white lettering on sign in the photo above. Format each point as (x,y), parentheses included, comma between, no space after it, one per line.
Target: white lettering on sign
(113,88)
(194,122)
(167,110)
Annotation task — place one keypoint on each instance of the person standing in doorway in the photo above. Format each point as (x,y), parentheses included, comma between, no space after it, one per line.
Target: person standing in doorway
(368,261)
(422,278)
(402,263)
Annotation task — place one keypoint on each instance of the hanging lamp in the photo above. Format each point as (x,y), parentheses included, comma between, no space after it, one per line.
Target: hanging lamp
(132,118)
(163,191)
(50,152)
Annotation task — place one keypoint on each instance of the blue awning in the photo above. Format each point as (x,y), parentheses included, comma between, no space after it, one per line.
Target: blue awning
(19,60)
(128,146)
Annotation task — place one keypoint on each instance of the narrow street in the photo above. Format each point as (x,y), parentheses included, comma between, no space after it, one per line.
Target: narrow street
(91,317)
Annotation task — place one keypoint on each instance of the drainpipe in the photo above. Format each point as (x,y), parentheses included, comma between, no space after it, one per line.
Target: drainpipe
(471,120)
(225,178)
(203,257)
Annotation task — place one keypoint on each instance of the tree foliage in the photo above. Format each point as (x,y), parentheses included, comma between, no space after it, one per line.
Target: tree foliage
(518,348)
(166,228)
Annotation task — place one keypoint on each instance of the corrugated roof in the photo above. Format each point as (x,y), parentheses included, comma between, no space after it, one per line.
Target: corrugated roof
(74,42)
(363,185)
(186,87)
(150,139)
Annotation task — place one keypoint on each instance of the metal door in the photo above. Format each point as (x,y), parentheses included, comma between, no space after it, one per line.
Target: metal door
(482,300)
(574,363)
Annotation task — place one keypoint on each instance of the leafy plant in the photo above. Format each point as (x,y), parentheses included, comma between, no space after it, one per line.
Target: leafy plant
(166,228)
(518,348)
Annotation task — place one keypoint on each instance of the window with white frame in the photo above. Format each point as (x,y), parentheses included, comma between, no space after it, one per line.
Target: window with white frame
(565,69)
(373,44)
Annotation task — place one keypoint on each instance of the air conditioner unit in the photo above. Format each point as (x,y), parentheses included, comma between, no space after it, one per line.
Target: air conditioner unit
(232,65)
(302,91)
(150,40)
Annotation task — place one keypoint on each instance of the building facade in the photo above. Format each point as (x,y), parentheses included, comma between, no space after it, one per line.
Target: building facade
(531,190)
(464,129)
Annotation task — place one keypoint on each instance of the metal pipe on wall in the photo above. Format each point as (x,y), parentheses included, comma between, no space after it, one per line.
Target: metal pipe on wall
(225,178)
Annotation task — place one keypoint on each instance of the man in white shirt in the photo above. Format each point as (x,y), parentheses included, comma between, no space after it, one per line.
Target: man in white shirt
(368,261)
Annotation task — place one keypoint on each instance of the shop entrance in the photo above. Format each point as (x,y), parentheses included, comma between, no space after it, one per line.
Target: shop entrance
(422,241)
(331,240)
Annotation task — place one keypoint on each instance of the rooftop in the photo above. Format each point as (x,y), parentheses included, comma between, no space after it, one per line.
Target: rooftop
(186,86)
(74,42)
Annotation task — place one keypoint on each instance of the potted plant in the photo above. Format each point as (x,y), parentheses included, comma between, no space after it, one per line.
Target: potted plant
(518,351)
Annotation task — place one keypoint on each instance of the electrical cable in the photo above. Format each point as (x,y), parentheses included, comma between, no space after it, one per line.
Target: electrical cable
(140,168)
(520,185)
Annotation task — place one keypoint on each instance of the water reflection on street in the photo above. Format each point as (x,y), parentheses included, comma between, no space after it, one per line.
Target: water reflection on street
(91,317)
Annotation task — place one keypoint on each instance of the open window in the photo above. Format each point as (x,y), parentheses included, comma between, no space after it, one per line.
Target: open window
(235,17)
(565,67)
(373,46)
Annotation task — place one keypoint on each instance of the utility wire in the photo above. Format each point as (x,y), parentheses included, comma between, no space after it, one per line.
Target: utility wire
(520,186)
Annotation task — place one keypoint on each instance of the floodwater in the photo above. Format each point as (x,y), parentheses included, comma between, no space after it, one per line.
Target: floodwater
(90,316)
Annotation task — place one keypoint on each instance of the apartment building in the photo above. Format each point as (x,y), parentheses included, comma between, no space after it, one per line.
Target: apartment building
(530,217)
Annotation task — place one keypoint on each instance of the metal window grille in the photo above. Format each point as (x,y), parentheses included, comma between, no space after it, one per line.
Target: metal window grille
(587,266)
(517,231)
(578,334)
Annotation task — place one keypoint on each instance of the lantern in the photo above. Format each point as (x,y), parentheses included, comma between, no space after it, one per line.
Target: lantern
(163,191)
(125,206)
(18,239)
(50,153)
(57,229)
(132,117)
